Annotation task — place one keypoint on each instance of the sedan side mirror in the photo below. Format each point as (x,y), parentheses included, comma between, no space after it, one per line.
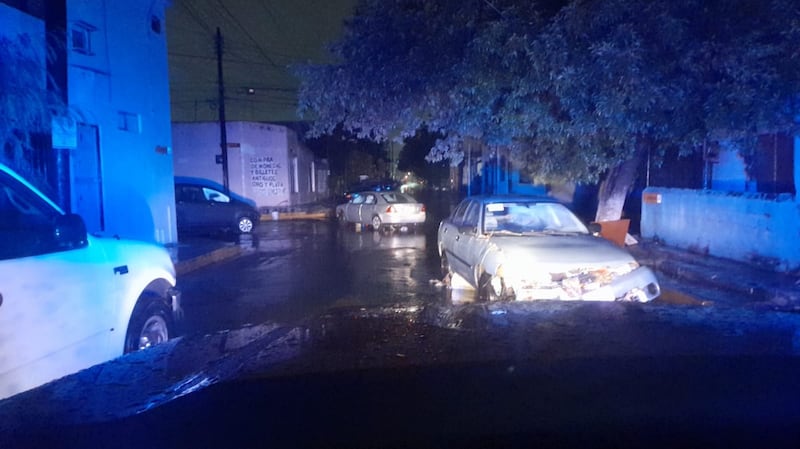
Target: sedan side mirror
(594,229)
(468,229)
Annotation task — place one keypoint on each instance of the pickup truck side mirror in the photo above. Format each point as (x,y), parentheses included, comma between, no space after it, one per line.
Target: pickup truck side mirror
(69,232)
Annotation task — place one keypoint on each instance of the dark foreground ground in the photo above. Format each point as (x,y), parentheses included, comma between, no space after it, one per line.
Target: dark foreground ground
(530,375)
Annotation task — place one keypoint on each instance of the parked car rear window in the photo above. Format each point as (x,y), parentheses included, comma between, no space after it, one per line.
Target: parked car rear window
(397,198)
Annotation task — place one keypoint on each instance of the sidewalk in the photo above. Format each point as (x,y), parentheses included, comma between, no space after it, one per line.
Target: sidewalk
(695,275)
(195,252)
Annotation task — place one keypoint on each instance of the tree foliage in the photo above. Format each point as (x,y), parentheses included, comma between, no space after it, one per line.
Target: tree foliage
(27,105)
(350,158)
(571,88)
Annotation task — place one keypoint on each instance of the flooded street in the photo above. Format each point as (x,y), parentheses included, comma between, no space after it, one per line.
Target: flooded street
(312,273)
(293,270)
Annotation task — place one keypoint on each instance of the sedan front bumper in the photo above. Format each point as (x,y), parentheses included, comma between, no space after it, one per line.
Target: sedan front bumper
(639,285)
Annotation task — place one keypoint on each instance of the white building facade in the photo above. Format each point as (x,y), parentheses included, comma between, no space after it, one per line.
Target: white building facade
(112,68)
(266,163)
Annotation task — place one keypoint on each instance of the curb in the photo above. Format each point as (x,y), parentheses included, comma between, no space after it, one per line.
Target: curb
(718,275)
(757,293)
(217,255)
(297,216)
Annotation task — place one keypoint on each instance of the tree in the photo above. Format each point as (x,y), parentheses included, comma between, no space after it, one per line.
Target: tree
(349,158)
(579,90)
(27,104)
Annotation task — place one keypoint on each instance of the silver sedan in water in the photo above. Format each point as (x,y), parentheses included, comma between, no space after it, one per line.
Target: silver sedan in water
(525,247)
(382,210)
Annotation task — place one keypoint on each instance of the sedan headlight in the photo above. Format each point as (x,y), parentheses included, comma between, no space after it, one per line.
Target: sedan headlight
(575,283)
(526,277)
(624,269)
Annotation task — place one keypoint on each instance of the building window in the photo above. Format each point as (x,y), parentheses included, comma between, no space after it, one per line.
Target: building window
(81,37)
(128,121)
(773,167)
(295,180)
(155,24)
(313,177)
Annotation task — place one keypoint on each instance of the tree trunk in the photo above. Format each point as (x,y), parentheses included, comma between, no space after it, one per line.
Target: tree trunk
(615,187)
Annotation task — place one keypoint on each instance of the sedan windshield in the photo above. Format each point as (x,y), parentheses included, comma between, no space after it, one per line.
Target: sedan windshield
(528,217)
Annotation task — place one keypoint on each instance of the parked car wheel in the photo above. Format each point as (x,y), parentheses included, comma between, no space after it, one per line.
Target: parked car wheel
(245,225)
(376,223)
(340,218)
(151,324)
(445,267)
(492,289)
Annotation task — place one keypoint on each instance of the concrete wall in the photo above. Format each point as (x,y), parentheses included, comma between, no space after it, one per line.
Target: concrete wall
(303,173)
(260,161)
(740,226)
(121,90)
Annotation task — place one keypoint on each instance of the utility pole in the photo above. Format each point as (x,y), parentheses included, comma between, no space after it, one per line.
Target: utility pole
(223,136)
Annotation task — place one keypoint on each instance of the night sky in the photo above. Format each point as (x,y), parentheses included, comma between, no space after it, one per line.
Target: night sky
(262,38)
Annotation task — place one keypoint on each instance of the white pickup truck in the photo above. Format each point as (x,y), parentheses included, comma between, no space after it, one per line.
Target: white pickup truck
(69,300)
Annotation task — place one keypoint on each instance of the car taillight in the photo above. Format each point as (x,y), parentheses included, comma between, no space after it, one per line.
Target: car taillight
(390,209)
(422,209)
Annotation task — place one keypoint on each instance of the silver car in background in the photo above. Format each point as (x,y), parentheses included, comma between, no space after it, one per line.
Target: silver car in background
(526,247)
(382,211)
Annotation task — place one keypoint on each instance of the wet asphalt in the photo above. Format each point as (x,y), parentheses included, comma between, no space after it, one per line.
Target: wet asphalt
(290,271)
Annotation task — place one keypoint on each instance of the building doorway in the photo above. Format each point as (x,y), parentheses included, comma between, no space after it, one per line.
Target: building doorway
(87,186)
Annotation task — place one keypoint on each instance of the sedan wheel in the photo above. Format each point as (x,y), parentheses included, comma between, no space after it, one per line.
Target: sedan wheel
(491,288)
(376,223)
(245,225)
(445,267)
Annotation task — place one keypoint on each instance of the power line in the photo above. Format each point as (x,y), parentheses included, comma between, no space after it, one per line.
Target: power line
(247,33)
(197,19)
(227,60)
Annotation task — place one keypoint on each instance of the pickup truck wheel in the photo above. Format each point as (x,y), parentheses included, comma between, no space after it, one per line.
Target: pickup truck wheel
(245,225)
(151,323)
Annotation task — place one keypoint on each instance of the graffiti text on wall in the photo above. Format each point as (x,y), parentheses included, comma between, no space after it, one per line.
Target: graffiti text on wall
(264,172)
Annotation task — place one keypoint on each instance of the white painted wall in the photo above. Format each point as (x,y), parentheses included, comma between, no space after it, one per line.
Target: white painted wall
(127,75)
(740,226)
(259,161)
